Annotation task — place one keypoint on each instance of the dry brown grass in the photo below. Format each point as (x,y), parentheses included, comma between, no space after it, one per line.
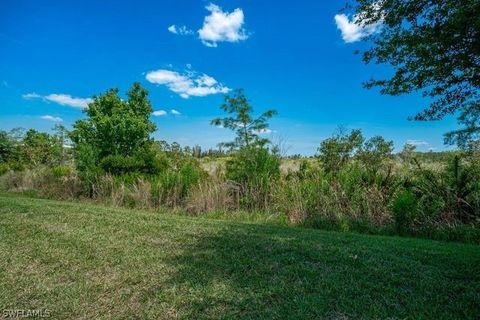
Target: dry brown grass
(211,196)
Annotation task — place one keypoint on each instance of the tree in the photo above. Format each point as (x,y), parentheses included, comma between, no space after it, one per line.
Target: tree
(115,136)
(253,168)
(62,135)
(7,147)
(10,149)
(335,152)
(433,47)
(408,153)
(467,138)
(374,152)
(41,148)
(242,122)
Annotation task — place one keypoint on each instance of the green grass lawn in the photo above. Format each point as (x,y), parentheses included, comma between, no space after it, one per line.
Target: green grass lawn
(85,261)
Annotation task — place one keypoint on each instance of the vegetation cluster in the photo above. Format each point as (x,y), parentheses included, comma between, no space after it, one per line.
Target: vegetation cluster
(353,184)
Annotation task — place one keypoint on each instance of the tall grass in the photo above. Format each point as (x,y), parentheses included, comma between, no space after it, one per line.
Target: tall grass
(399,198)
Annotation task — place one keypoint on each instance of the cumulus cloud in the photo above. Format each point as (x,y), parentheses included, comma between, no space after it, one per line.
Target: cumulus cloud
(352,30)
(222,26)
(159,113)
(62,99)
(175,112)
(181,30)
(188,84)
(51,118)
(417,143)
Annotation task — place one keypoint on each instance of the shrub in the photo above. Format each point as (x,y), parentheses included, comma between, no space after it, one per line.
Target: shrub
(54,183)
(41,148)
(374,152)
(118,164)
(170,187)
(255,171)
(4,168)
(404,209)
(61,171)
(335,152)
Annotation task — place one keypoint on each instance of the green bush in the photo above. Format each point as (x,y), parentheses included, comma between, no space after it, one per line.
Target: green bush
(4,168)
(404,209)
(255,171)
(171,187)
(335,152)
(118,164)
(61,171)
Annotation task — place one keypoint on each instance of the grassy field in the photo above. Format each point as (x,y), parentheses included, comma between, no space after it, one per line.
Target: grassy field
(84,261)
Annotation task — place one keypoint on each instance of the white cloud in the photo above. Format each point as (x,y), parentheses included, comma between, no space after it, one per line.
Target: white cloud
(206,81)
(51,118)
(415,142)
(62,99)
(175,112)
(222,26)
(187,85)
(352,30)
(32,95)
(181,30)
(159,113)
(172,29)
(68,100)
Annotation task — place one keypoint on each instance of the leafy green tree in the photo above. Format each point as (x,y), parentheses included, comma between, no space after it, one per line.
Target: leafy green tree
(10,150)
(433,47)
(115,135)
(253,168)
(374,152)
(242,122)
(41,148)
(467,138)
(7,147)
(335,152)
(408,153)
(62,135)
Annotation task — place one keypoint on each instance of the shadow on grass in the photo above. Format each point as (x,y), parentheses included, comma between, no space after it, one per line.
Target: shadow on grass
(262,272)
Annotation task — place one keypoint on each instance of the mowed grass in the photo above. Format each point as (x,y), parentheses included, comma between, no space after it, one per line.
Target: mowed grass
(82,261)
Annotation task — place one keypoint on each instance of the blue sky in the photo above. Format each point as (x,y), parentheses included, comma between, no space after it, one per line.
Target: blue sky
(298,59)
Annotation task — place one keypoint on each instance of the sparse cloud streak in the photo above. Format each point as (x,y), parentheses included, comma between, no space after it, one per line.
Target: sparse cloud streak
(62,99)
(159,113)
(51,118)
(180,30)
(417,143)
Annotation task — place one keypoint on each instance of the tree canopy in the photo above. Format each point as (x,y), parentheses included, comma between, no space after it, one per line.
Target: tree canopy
(115,135)
(242,122)
(434,48)
(335,152)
